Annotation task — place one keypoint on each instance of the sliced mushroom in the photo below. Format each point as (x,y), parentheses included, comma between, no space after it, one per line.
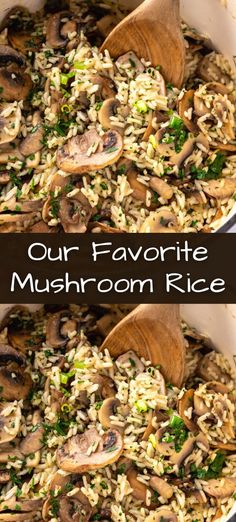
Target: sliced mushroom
(140,190)
(162,515)
(97,227)
(200,407)
(15,382)
(208,370)
(187,448)
(131,60)
(106,87)
(161,187)
(139,489)
(33,441)
(150,428)
(26,206)
(107,409)
(9,355)
(219,189)
(90,451)
(24,340)
(75,213)
(30,505)
(10,120)
(10,417)
(220,488)
(54,332)
(74,508)
(90,152)
(8,55)
(188,148)
(162,487)
(10,151)
(185,104)
(56,35)
(106,386)
(184,404)
(159,222)
(108,109)
(209,71)
(34,140)
(131,361)
(15,83)
(164,448)
(22,39)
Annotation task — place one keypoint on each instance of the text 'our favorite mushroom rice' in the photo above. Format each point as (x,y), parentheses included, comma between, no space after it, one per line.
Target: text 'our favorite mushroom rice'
(86,437)
(92,144)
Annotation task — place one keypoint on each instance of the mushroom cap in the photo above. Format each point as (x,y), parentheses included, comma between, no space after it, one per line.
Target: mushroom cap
(162,487)
(55,38)
(185,104)
(160,221)
(108,109)
(106,386)
(8,55)
(76,155)
(131,360)
(76,454)
(131,59)
(33,441)
(74,508)
(107,409)
(161,187)
(15,383)
(33,142)
(75,213)
(10,119)
(16,84)
(220,488)
(186,402)
(54,335)
(223,188)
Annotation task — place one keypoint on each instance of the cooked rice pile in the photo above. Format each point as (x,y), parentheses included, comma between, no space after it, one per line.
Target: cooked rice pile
(89,144)
(84,437)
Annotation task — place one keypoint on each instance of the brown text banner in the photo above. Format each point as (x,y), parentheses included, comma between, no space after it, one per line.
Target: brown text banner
(118,268)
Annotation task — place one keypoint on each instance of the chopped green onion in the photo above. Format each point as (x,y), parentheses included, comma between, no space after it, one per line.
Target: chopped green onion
(66,408)
(141,107)
(176,122)
(79,65)
(80,364)
(141,406)
(66,108)
(152,140)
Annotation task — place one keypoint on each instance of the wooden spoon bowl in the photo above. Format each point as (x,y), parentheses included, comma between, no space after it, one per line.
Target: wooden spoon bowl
(154,332)
(153,32)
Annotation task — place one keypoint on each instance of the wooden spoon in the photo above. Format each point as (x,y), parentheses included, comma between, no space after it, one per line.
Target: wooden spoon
(153,331)
(153,32)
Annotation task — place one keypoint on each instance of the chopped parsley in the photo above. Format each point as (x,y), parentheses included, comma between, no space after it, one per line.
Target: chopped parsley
(213,470)
(212,170)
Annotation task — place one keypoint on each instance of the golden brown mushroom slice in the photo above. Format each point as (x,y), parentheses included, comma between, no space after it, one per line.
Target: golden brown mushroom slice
(15,382)
(161,187)
(209,71)
(188,148)
(10,120)
(162,487)
(106,86)
(184,404)
(108,408)
(139,489)
(57,329)
(58,26)
(33,441)
(10,417)
(16,84)
(220,488)
(106,386)
(90,152)
(75,213)
(186,104)
(219,189)
(208,369)
(162,221)
(90,451)
(33,142)
(107,111)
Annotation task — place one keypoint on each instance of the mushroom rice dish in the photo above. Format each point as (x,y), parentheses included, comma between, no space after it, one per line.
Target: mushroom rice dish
(92,144)
(86,437)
